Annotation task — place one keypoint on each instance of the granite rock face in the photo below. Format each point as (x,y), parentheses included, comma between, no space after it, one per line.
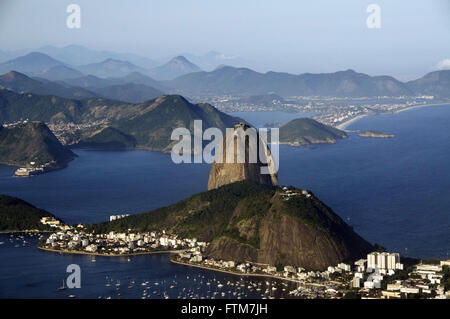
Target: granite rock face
(242,155)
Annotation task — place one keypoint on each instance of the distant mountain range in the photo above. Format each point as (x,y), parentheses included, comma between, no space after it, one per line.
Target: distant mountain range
(433,83)
(174,68)
(150,123)
(123,89)
(213,59)
(60,72)
(32,63)
(179,75)
(110,68)
(21,83)
(42,65)
(80,55)
(129,92)
(230,80)
(92,81)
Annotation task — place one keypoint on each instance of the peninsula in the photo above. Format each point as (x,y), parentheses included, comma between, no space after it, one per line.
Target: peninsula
(34,147)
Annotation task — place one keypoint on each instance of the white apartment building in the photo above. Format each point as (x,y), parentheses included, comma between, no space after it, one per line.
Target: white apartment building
(386,261)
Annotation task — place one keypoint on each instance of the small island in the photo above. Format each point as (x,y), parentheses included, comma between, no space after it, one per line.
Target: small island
(32,147)
(306,131)
(376,134)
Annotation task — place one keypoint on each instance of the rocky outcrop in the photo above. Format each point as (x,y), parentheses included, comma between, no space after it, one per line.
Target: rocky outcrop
(298,230)
(239,158)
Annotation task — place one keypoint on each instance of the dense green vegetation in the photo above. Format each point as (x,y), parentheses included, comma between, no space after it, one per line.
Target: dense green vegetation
(130,92)
(108,138)
(304,131)
(32,142)
(18,215)
(205,215)
(150,123)
(446,278)
(250,221)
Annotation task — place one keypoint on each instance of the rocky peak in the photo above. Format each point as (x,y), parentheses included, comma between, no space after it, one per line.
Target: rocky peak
(247,162)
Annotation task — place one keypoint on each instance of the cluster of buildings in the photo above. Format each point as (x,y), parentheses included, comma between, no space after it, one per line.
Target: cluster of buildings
(116,217)
(290,192)
(76,239)
(69,132)
(373,277)
(34,169)
(17,123)
(425,280)
(54,223)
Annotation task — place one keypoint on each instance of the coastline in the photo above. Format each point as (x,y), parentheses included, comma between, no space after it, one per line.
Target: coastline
(419,106)
(344,125)
(77,252)
(233,273)
(25,231)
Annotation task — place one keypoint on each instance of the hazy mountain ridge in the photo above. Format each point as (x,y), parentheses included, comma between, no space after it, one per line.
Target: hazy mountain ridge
(150,123)
(129,92)
(20,83)
(175,67)
(182,76)
(229,80)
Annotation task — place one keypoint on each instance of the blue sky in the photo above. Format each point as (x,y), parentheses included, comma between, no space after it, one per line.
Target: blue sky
(285,35)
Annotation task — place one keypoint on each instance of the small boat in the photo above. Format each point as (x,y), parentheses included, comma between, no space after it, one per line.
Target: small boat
(63,287)
(71,296)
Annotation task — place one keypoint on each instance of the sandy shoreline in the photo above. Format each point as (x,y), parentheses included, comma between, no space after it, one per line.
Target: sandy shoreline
(232,272)
(344,125)
(78,252)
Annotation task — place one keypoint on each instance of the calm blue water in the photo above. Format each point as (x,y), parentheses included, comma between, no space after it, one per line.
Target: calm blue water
(29,273)
(395,192)
(99,184)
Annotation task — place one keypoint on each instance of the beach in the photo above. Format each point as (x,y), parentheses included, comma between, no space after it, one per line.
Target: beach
(344,125)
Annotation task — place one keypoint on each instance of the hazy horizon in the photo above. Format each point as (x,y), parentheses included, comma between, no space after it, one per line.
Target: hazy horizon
(266,36)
